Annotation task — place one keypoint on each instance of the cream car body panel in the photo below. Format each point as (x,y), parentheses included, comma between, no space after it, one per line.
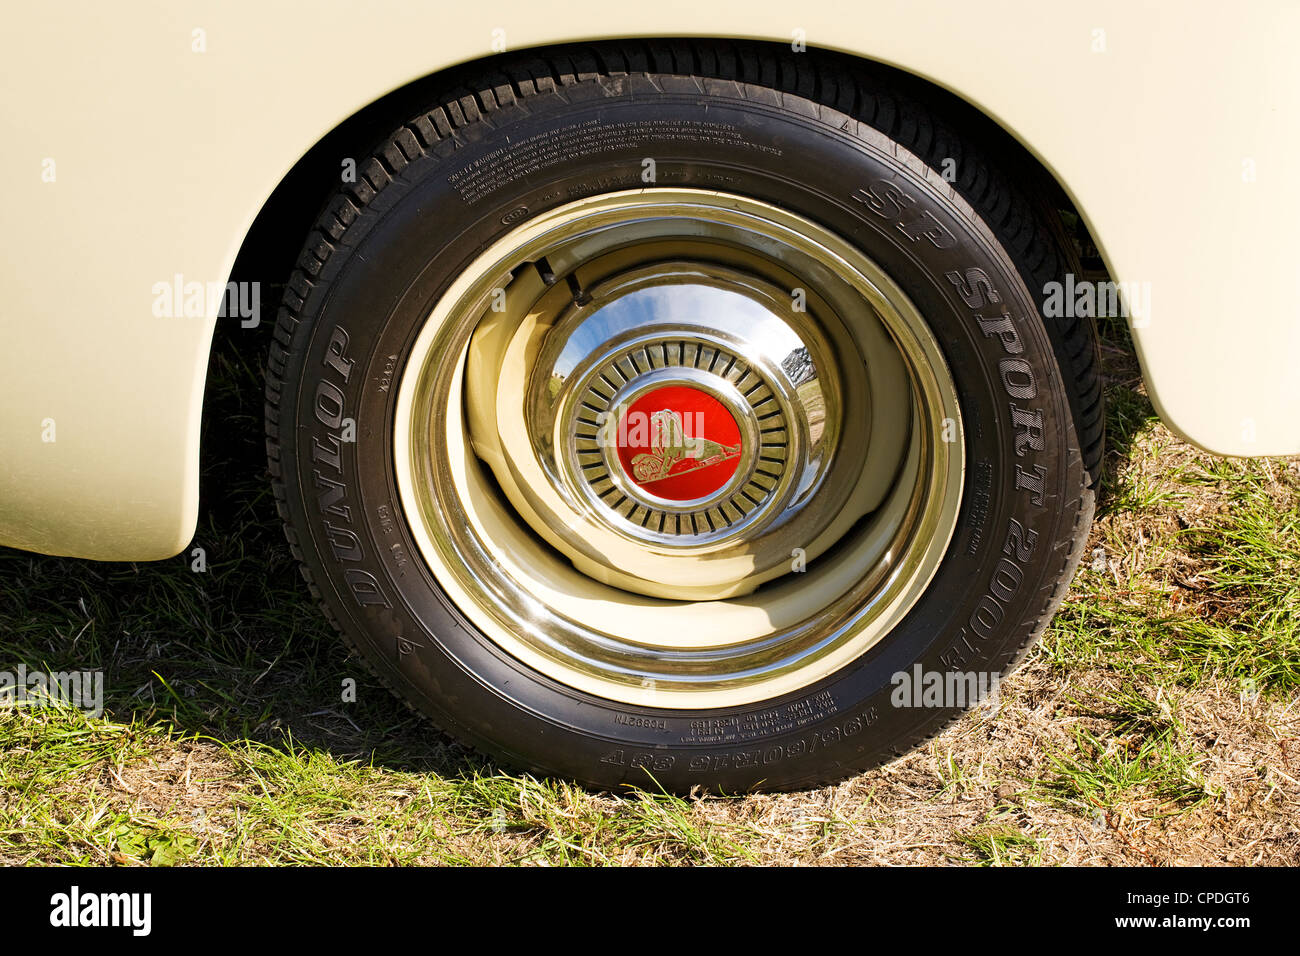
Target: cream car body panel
(1173,127)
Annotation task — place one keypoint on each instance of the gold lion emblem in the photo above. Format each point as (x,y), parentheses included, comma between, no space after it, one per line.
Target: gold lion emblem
(670,445)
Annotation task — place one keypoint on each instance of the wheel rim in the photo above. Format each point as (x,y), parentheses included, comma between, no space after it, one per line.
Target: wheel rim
(679,448)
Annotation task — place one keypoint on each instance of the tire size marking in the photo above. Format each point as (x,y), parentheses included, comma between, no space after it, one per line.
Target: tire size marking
(776,753)
(738,728)
(657,761)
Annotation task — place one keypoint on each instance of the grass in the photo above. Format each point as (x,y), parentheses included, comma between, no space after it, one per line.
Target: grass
(1001,845)
(1156,723)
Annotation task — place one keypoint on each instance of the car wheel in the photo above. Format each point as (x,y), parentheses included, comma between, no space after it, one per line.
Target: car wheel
(656,420)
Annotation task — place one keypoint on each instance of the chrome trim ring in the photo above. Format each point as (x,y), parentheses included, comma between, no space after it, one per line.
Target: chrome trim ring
(498,476)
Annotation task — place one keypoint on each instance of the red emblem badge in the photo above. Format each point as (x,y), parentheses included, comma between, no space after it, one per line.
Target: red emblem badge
(678,443)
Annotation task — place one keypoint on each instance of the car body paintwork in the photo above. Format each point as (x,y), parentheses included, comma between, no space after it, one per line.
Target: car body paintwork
(1172,127)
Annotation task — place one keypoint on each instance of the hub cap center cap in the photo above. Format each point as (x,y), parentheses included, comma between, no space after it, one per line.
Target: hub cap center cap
(679,443)
(675,432)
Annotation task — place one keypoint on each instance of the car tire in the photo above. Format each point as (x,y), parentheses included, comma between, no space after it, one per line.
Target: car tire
(865,474)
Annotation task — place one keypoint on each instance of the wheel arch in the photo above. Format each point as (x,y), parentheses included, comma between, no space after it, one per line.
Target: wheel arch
(270,246)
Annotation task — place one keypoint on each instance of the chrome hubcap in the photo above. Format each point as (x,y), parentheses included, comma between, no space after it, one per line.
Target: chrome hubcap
(679,407)
(679,448)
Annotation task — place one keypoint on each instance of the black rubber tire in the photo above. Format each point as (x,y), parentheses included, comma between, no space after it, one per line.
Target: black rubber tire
(810,136)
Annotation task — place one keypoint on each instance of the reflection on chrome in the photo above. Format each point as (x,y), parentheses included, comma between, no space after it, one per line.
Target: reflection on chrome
(655,567)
